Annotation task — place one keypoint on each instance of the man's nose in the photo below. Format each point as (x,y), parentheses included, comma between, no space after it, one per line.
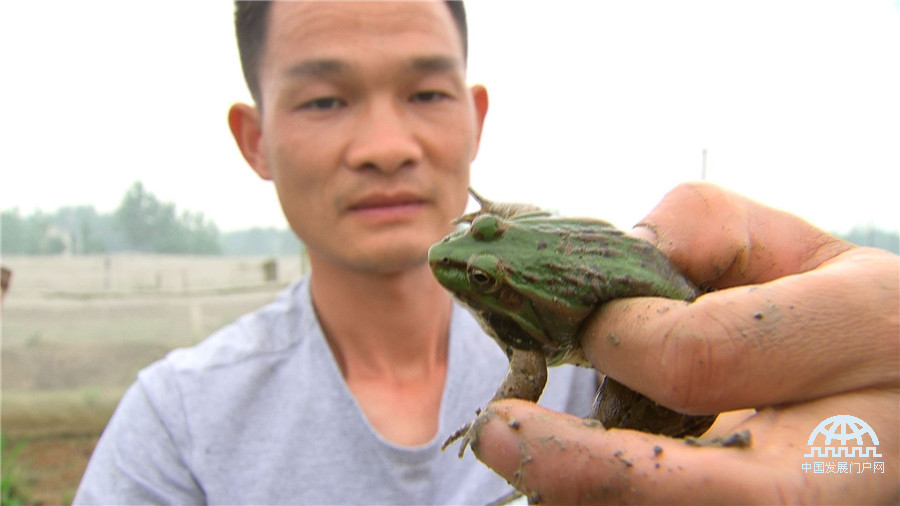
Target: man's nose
(384,138)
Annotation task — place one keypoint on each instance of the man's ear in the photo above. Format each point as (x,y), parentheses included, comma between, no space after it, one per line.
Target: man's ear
(244,122)
(480,97)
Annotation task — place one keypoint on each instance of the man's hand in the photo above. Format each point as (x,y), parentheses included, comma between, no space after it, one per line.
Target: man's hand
(801,326)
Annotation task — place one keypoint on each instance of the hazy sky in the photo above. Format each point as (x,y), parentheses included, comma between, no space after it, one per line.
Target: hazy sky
(596,108)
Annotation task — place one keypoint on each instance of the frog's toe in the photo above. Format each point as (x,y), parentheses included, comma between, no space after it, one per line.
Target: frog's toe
(469,432)
(466,434)
(467,440)
(463,431)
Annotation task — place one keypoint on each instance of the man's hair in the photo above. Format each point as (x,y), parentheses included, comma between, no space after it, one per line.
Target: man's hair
(251,20)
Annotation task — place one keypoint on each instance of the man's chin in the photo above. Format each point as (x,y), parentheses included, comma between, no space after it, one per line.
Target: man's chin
(392,261)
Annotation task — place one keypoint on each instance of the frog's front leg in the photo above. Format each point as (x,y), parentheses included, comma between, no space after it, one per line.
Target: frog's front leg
(525,379)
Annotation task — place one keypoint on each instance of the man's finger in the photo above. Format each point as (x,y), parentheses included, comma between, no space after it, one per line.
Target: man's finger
(560,459)
(746,347)
(721,239)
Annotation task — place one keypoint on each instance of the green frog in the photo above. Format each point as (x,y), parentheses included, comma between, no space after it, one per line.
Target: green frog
(532,279)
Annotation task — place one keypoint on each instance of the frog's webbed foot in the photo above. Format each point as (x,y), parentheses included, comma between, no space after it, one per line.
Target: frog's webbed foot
(502,209)
(462,431)
(468,434)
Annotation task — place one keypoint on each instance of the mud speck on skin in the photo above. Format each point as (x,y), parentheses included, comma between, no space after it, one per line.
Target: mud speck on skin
(619,456)
(758,316)
(657,450)
(740,439)
(547,441)
(513,424)
(613,339)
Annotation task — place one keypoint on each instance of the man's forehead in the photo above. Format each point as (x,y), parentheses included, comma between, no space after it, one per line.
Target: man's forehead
(316,39)
(293,22)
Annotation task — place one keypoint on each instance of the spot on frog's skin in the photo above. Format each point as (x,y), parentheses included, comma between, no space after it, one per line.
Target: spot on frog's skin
(531,279)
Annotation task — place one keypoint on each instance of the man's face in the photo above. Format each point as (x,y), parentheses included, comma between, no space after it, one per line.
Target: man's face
(367,128)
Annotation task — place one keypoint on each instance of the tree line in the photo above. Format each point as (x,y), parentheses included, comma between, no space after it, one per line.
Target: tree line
(142,223)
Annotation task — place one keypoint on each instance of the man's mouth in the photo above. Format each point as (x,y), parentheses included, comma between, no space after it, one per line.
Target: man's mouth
(387,206)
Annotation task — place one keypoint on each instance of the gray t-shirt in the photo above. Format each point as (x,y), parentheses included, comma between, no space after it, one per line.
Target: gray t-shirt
(259,413)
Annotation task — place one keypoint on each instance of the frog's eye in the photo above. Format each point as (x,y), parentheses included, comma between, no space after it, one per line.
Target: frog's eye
(488,227)
(484,273)
(481,280)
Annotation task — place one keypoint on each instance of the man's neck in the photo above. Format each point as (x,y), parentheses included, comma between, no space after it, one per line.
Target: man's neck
(382,324)
(389,335)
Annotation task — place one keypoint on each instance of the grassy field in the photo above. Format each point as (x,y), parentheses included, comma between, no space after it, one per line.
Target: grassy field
(76,330)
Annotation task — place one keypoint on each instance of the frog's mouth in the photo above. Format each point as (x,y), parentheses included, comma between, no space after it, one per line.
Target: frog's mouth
(507,316)
(508,330)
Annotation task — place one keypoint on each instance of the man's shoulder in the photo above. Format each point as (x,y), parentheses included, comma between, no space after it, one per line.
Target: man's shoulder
(273,329)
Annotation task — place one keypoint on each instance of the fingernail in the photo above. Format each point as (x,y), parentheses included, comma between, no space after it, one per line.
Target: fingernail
(645,231)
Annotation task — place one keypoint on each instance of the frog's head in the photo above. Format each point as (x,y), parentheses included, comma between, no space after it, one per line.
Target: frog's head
(508,272)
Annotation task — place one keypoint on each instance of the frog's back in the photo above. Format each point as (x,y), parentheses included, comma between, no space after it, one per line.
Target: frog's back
(595,261)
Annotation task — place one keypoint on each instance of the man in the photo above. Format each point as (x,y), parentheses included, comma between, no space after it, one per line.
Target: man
(342,390)
(363,122)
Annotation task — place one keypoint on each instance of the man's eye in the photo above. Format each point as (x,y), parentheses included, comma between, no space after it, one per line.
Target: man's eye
(323,104)
(429,96)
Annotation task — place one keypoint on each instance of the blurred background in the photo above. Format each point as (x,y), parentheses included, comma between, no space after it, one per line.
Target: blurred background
(131,224)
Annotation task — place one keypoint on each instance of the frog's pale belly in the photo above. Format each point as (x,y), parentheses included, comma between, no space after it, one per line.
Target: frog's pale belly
(532,280)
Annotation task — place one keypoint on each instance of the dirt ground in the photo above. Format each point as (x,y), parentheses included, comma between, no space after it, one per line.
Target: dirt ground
(75,332)
(53,425)
(53,466)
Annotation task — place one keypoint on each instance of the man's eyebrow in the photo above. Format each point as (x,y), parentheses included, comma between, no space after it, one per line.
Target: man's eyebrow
(330,67)
(438,63)
(316,68)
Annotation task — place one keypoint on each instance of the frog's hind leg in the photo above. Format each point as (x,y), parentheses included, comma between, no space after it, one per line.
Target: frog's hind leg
(617,406)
